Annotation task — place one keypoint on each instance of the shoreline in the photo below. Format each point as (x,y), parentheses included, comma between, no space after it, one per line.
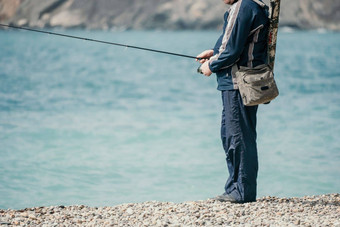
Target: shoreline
(321,210)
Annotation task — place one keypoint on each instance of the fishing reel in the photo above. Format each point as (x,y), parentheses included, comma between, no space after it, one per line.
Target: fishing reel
(199,70)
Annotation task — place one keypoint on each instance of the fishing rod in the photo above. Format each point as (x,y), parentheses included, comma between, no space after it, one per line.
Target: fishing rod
(100,41)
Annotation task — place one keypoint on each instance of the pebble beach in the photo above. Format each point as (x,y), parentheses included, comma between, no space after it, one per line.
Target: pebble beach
(322,210)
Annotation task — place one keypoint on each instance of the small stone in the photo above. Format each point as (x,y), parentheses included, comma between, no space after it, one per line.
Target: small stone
(24,214)
(129,211)
(32,216)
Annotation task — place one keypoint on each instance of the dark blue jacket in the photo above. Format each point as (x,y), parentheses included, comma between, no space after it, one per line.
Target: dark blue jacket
(242,43)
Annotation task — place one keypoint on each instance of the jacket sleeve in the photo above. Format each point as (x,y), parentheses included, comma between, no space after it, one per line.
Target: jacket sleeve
(234,39)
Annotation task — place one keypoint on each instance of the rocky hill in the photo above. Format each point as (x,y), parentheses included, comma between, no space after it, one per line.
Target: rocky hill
(156,14)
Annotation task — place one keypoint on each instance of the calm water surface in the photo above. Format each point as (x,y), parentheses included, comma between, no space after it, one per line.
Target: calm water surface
(86,123)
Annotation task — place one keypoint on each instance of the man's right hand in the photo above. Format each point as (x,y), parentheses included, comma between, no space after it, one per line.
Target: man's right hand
(204,56)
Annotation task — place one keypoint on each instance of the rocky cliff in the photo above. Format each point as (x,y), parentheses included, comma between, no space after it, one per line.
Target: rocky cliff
(156,14)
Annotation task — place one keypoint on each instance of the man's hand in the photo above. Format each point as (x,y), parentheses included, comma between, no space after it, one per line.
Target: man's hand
(205,55)
(205,69)
(203,59)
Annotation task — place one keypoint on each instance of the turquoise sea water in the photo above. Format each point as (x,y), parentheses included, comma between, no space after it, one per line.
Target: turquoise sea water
(86,123)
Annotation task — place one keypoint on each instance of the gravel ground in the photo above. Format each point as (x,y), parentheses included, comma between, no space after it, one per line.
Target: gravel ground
(323,210)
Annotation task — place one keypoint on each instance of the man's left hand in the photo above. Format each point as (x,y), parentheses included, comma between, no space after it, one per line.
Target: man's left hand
(205,69)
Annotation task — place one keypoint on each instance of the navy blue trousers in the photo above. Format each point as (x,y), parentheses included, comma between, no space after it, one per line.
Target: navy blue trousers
(238,134)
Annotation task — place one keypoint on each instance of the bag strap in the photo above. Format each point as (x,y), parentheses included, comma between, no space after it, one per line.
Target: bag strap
(262,4)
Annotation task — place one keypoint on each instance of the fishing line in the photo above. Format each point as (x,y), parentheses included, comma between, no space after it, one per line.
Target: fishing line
(100,41)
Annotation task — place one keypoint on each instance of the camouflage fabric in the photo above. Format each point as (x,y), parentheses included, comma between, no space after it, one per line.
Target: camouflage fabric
(274,16)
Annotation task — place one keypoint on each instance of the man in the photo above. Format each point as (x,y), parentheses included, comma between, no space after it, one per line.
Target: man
(242,43)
